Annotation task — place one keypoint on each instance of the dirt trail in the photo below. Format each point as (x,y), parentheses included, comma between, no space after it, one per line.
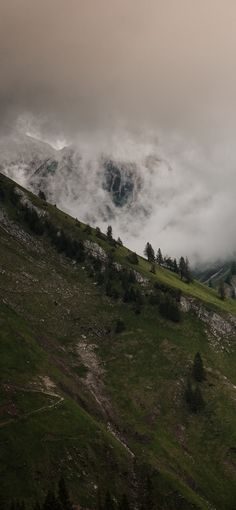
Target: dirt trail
(94,383)
(57,402)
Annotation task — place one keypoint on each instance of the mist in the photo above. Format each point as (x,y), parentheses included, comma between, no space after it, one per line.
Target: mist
(136,81)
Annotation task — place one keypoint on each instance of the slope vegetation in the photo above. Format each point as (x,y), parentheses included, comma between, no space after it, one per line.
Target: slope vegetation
(94,374)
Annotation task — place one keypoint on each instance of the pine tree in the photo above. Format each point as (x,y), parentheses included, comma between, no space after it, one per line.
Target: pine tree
(233,268)
(124,503)
(51,502)
(159,257)
(221,290)
(63,495)
(109,232)
(109,503)
(148,499)
(42,195)
(184,270)
(37,506)
(193,397)
(182,267)
(198,370)
(175,266)
(149,252)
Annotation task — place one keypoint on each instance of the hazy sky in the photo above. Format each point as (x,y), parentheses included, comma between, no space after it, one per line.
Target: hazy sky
(86,69)
(96,63)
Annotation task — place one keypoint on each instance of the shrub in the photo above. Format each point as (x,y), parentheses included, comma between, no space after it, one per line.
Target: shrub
(120,326)
(133,258)
(169,309)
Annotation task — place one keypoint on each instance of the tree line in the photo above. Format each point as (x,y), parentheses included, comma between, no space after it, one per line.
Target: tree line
(180,267)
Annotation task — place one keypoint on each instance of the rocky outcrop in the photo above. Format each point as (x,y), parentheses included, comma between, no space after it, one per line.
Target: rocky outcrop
(95,250)
(220,330)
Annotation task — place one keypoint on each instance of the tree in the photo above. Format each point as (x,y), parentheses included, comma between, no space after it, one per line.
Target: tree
(120,326)
(98,232)
(37,506)
(42,195)
(149,252)
(182,267)
(198,370)
(233,268)
(109,232)
(124,503)
(184,270)
(148,494)
(51,502)
(109,503)
(119,241)
(193,397)
(221,290)
(159,257)
(88,229)
(63,495)
(175,266)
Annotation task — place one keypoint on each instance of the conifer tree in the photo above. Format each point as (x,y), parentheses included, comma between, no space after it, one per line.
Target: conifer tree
(182,267)
(233,268)
(221,290)
(37,506)
(198,370)
(109,503)
(153,268)
(63,495)
(193,397)
(109,232)
(149,252)
(159,257)
(124,503)
(175,266)
(51,502)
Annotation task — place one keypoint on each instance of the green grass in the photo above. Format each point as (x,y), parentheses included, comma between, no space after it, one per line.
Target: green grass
(48,307)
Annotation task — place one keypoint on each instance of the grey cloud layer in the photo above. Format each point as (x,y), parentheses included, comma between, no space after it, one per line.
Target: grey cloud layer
(84,63)
(89,70)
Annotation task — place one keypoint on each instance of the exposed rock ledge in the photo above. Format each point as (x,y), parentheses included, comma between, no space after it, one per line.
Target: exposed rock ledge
(221,331)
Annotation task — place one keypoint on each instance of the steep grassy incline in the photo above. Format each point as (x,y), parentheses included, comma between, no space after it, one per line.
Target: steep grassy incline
(92,386)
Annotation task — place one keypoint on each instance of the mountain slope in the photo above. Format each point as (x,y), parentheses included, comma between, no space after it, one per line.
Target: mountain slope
(92,386)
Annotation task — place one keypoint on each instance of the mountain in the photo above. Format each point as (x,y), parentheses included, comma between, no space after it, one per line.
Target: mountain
(97,188)
(213,274)
(97,380)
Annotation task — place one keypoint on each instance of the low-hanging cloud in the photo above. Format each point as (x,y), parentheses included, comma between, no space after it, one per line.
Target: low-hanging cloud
(90,72)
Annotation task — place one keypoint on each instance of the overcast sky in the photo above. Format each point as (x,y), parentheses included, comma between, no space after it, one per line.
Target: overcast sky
(86,69)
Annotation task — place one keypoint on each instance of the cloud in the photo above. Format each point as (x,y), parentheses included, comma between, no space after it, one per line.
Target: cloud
(113,76)
(86,65)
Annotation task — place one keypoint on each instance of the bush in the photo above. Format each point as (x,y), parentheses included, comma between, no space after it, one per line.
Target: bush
(133,258)
(42,195)
(120,326)
(198,370)
(193,397)
(169,309)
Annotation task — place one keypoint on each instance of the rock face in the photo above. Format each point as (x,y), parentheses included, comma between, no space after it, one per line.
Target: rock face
(95,250)
(220,331)
(120,182)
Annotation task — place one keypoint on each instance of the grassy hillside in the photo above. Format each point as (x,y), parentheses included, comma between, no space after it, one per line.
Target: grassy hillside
(101,404)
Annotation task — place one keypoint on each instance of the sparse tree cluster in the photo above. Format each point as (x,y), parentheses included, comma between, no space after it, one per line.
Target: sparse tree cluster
(182,267)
